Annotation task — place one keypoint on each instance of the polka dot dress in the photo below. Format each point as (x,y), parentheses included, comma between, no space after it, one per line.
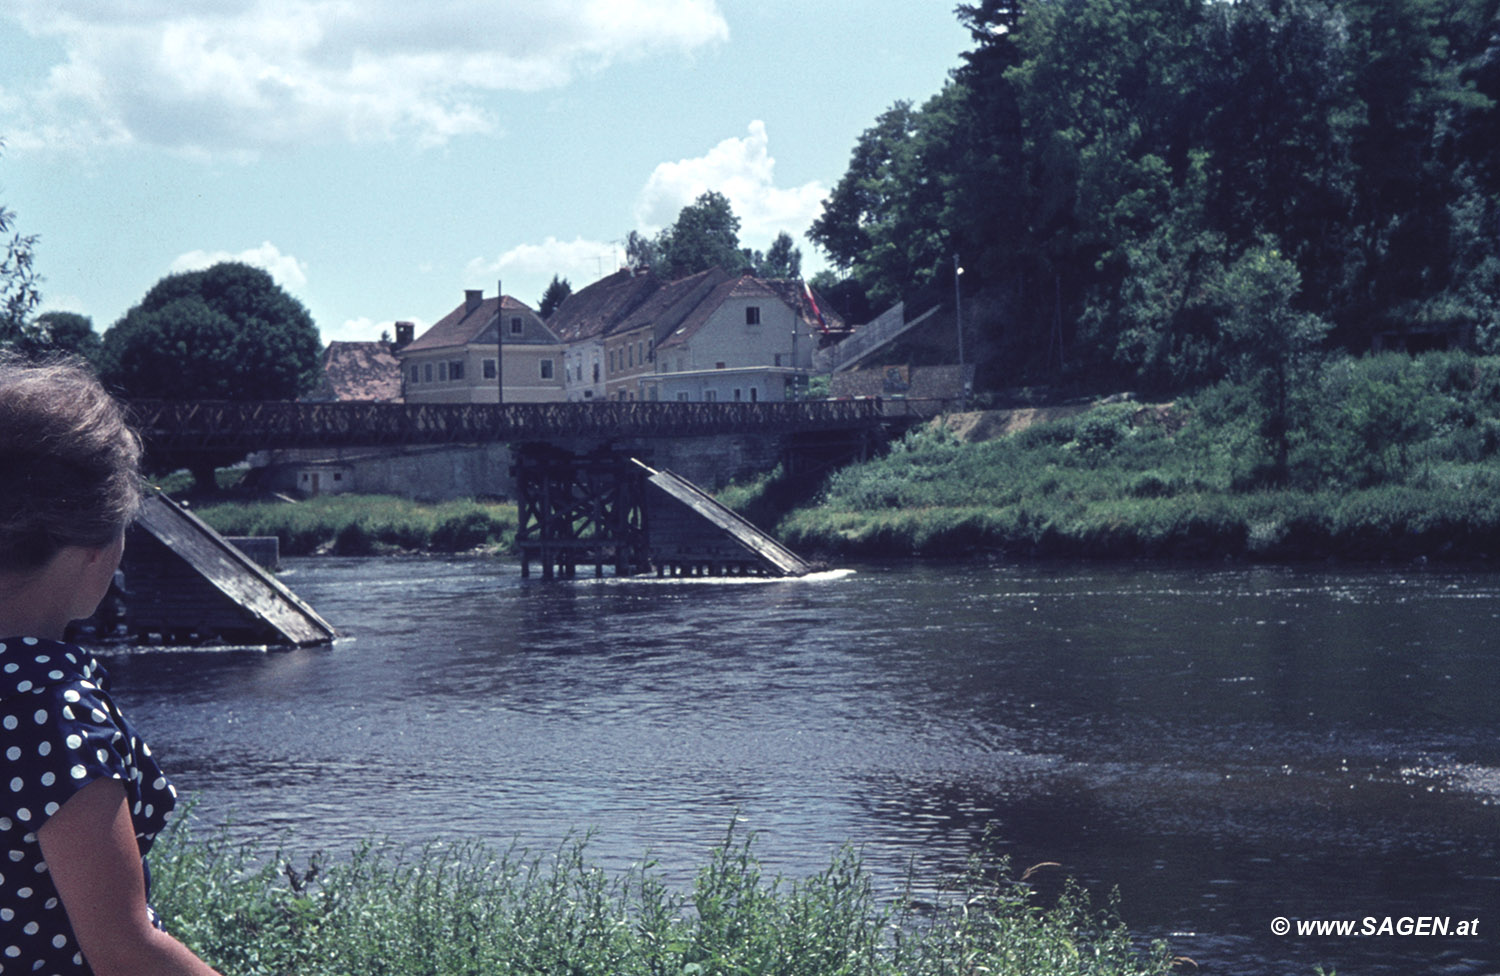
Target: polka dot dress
(59,731)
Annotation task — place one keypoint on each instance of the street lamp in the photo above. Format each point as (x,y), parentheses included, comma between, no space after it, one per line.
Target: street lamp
(957,318)
(958,309)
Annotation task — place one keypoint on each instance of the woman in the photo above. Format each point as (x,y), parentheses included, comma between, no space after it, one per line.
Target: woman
(81,799)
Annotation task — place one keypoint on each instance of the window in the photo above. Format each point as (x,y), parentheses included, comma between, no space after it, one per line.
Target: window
(517,325)
(737,396)
(546,369)
(426,372)
(682,398)
(752,315)
(754,395)
(709,396)
(489,369)
(442,372)
(596,372)
(612,360)
(778,359)
(456,370)
(630,354)
(719,366)
(416,374)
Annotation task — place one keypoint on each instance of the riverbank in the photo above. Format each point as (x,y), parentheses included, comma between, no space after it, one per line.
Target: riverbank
(1386,458)
(364,525)
(459,910)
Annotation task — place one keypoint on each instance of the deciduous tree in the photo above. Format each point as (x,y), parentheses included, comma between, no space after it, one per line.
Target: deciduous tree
(229,332)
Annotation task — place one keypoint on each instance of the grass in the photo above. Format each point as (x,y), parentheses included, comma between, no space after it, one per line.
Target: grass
(360,525)
(450,910)
(1391,457)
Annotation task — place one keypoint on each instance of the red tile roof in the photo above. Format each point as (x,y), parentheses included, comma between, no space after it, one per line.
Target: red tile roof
(464,325)
(358,371)
(598,308)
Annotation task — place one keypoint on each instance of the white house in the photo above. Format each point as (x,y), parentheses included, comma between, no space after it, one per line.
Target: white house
(749,339)
(583,320)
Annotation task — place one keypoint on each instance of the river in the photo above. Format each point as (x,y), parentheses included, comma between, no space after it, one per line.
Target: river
(1223,745)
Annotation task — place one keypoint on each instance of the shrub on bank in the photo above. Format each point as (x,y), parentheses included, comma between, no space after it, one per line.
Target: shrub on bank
(467,910)
(1395,457)
(359,525)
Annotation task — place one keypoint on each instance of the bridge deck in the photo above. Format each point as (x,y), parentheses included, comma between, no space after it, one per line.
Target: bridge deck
(223,426)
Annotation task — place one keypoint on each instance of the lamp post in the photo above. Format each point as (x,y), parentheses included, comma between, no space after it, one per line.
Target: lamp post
(500,341)
(958,318)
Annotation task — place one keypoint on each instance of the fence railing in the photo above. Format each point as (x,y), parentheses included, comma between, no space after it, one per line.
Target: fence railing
(260,425)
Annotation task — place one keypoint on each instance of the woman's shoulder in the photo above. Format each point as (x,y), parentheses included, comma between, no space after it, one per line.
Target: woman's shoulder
(31,663)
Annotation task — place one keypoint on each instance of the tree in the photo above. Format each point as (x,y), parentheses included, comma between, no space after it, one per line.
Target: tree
(65,332)
(228,333)
(706,235)
(1269,344)
(783,260)
(556,293)
(18,279)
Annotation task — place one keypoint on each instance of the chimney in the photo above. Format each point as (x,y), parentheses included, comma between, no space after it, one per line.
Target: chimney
(405,333)
(473,298)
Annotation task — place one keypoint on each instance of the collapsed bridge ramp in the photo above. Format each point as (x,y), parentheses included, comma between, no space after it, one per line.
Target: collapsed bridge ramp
(691,532)
(183,580)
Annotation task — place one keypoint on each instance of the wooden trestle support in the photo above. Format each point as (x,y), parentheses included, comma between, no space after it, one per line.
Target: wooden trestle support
(579,509)
(607,508)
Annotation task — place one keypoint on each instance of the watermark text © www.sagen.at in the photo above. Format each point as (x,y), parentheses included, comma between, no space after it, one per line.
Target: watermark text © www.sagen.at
(1413,925)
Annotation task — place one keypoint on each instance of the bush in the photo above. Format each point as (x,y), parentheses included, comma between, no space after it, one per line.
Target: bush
(463,909)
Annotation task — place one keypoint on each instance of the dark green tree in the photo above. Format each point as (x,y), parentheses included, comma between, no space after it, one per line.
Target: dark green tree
(1270,346)
(783,260)
(556,292)
(19,282)
(705,235)
(881,224)
(66,332)
(229,333)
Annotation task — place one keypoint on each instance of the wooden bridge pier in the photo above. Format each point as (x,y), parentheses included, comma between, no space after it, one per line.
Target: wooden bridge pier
(608,508)
(579,509)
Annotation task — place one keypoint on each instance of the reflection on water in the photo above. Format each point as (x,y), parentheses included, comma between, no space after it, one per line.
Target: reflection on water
(1223,745)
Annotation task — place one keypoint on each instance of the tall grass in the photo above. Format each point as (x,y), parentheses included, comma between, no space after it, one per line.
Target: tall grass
(1394,457)
(445,911)
(361,525)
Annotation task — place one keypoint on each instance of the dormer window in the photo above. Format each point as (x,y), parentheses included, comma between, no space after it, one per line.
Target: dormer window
(517,325)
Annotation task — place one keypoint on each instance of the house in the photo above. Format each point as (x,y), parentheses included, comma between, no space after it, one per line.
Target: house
(748,339)
(458,359)
(367,371)
(583,320)
(729,337)
(629,348)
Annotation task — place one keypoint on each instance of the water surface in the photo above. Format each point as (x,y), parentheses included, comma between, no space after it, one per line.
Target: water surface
(1223,745)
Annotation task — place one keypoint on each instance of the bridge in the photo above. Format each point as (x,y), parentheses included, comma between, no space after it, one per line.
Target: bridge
(181,429)
(580,497)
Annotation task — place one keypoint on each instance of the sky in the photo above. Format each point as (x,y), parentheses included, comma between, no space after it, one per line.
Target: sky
(379,157)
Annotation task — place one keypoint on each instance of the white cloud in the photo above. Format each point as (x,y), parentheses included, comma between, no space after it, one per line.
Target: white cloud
(286,270)
(742,170)
(365,330)
(580,261)
(242,76)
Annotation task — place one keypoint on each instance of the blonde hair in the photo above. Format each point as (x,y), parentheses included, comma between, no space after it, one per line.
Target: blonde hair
(69,462)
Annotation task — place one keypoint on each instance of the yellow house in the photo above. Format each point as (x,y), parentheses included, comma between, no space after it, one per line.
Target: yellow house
(462,359)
